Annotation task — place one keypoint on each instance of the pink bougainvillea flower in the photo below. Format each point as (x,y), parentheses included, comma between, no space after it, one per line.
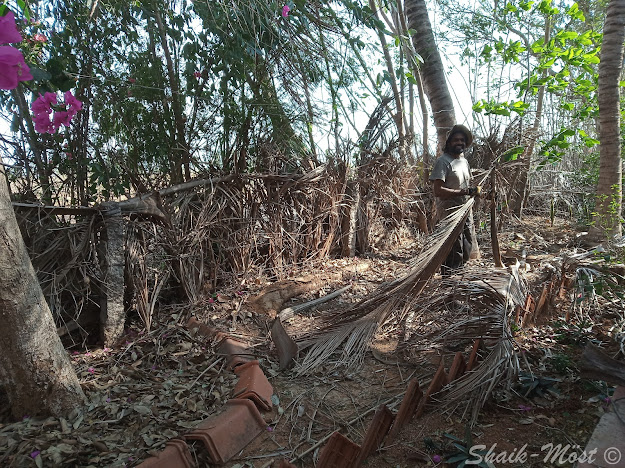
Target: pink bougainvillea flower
(285,11)
(197,74)
(211,300)
(43,104)
(132,80)
(8,29)
(63,113)
(40,38)
(74,104)
(61,118)
(43,124)
(13,69)
(91,370)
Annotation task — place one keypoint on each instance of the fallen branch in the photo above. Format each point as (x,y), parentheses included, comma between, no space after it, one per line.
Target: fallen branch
(289,312)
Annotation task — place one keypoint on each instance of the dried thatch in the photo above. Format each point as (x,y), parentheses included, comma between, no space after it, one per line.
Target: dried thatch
(356,325)
(479,305)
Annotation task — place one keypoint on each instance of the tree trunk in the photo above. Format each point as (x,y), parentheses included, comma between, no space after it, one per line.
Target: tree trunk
(519,190)
(182,161)
(609,188)
(42,379)
(432,71)
(398,117)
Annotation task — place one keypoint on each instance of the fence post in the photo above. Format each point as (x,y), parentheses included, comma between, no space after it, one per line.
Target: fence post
(112,263)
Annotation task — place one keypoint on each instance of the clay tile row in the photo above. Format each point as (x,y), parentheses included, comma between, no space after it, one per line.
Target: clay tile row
(175,455)
(226,434)
(253,385)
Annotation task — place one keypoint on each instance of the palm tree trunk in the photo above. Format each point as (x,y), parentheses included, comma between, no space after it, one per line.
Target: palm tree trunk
(432,71)
(609,188)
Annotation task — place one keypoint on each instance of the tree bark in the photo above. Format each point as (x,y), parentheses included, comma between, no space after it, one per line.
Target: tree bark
(432,71)
(42,379)
(112,262)
(609,188)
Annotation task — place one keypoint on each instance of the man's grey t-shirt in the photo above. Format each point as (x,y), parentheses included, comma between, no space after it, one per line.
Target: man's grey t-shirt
(455,174)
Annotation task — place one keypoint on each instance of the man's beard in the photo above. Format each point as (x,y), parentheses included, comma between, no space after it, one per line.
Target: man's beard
(456,150)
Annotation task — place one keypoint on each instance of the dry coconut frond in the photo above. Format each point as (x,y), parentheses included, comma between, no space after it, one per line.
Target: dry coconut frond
(359,322)
(498,295)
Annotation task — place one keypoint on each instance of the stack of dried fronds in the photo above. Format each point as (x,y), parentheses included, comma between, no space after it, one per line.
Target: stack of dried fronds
(63,253)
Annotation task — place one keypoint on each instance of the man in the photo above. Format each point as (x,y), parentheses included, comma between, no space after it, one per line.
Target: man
(451,178)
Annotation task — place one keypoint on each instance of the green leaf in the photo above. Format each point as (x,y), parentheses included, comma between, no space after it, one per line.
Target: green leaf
(567,35)
(457,458)
(575,13)
(512,154)
(591,58)
(22,6)
(486,52)
(478,107)
(39,74)
(526,6)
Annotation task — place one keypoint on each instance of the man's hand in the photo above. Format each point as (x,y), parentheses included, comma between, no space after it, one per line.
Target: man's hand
(474,191)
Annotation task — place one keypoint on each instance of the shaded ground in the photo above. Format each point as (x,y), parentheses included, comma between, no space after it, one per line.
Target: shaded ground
(158,385)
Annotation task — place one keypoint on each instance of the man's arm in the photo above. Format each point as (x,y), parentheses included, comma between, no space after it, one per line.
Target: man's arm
(445,193)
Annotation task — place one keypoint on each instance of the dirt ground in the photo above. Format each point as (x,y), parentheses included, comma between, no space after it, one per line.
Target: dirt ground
(158,385)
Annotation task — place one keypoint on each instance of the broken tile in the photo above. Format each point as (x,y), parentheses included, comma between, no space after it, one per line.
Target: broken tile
(339,452)
(379,427)
(472,363)
(226,434)
(438,381)
(287,348)
(528,310)
(458,366)
(253,385)
(204,330)
(409,404)
(175,455)
(236,352)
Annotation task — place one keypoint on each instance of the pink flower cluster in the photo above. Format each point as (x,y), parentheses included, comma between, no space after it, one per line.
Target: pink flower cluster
(47,106)
(13,68)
